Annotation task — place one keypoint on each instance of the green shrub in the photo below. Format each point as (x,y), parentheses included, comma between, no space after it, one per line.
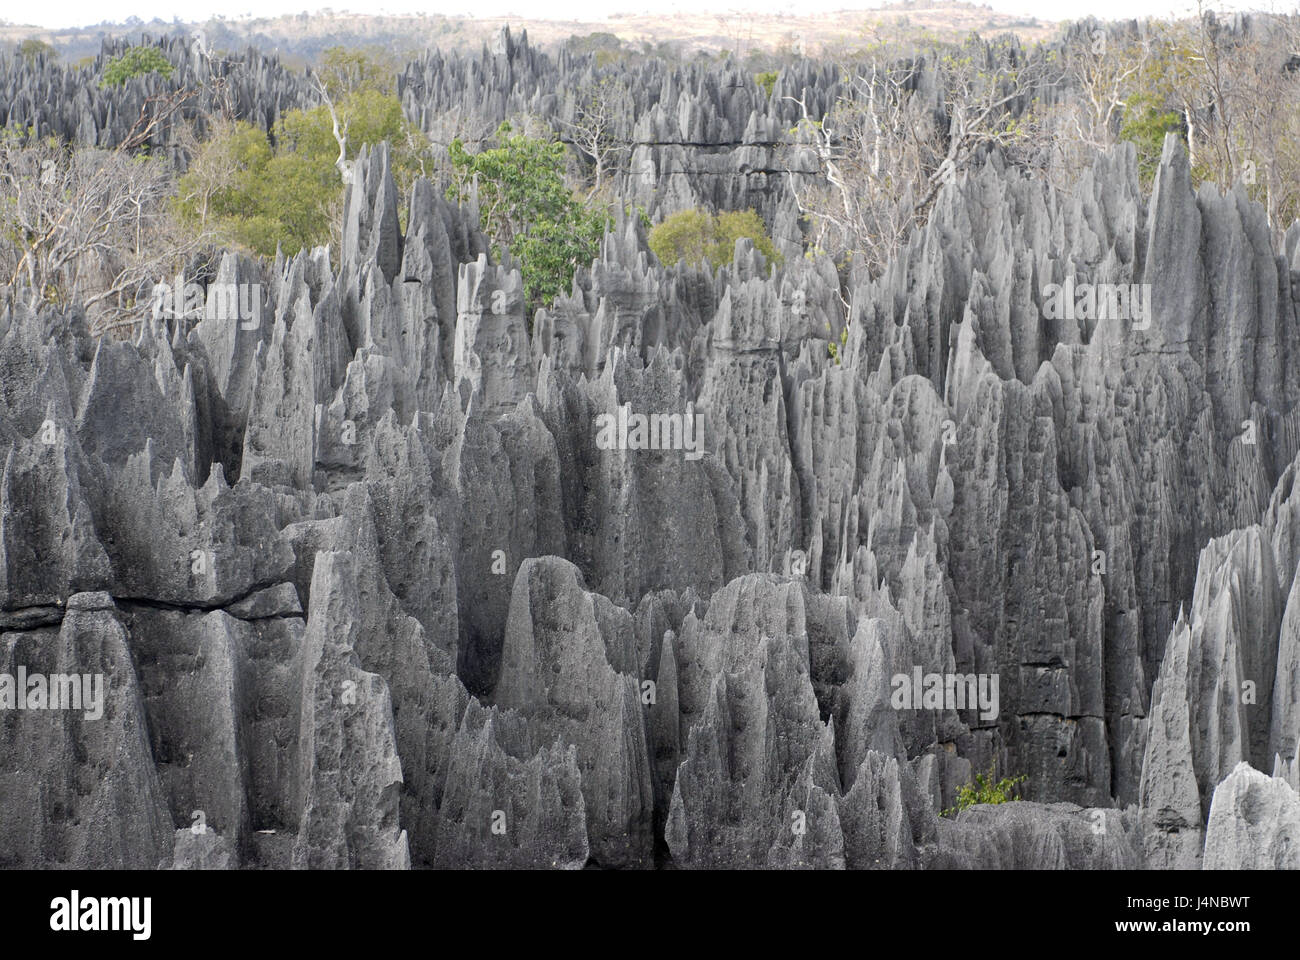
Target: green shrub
(766,81)
(683,236)
(698,236)
(984,790)
(136,62)
(833,349)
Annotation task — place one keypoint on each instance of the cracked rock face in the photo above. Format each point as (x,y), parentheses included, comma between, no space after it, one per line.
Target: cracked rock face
(81,790)
(392,580)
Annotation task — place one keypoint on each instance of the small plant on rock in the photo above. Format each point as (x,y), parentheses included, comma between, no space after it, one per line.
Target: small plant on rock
(985,790)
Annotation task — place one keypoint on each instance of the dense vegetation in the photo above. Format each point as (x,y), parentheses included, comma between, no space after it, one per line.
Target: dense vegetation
(136,62)
(284,189)
(698,236)
(527,209)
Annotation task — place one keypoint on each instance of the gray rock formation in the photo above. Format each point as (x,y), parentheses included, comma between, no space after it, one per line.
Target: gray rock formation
(397,580)
(1254,822)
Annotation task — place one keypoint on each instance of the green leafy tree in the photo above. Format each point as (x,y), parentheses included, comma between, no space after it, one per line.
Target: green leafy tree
(698,236)
(766,81)
(31,48)
(136,62)
(1145,124)
(733,225)
(344,71)
(256,196)
(527,208)
(288,195)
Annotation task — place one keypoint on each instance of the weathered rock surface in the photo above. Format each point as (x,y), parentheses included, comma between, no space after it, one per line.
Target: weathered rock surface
(79,786)
(1254,823)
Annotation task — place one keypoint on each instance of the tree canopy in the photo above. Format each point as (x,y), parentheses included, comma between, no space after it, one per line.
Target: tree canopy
(136,62)
(285,190)
(698,236)
(527,208)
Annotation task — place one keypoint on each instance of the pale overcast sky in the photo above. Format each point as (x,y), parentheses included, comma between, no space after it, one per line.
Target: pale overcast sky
(66,13)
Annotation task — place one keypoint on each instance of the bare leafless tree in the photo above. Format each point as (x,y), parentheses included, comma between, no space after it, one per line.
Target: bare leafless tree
(89,226)
(340,131)
(155,115)
(1236,90)
(880,156)
(1103,69)
(1243,123)
(593,128)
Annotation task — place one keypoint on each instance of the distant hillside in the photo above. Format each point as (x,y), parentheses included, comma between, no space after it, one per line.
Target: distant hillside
(301,37)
